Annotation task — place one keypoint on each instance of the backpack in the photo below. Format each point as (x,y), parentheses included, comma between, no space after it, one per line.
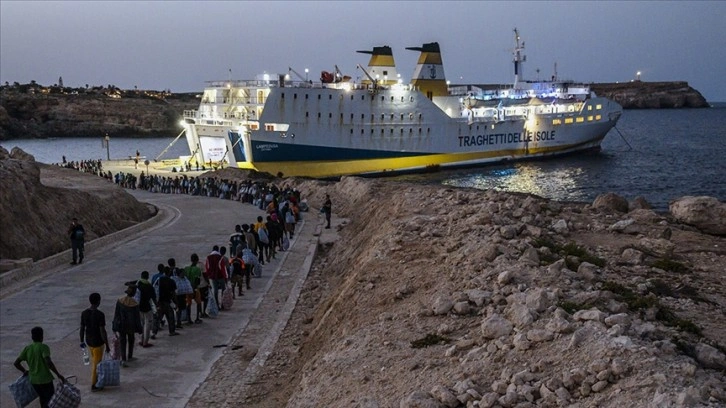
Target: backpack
(289,217)
(78,234)
(234,241)
(237,266)
(264,238)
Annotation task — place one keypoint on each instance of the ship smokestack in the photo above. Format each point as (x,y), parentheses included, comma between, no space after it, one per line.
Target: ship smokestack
(381,66)
(429,74)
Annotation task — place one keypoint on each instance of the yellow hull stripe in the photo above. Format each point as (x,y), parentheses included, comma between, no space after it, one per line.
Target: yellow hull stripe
(320,169)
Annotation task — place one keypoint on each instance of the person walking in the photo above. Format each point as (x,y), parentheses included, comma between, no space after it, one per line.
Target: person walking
(167,294)
(37,356)
(327,209)
(213,272)
(235,239)
(126,323)
(194,274)
(93,334)
(147,307)
(77,234)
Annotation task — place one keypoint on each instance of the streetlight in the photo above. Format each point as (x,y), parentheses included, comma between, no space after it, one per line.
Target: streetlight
(146,162)
(637,78)
(108,151)
(306,74)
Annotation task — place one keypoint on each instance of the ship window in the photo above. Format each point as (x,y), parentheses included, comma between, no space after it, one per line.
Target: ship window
(319,96)
(318,115)
(598,107)
(568,120)
(579,119)
(330,96)
(294,96)
(590,118)
(556,121)
(589,107)
(597,117)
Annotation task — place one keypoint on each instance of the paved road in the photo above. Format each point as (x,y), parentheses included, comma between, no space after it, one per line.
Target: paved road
(168,374)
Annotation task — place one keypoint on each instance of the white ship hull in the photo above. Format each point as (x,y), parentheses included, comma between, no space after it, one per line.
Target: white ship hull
(326,130)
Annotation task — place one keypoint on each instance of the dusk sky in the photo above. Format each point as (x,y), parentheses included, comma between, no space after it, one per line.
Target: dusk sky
(180,45)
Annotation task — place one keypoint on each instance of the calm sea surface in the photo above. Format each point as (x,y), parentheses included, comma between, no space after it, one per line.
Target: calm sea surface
(674,153)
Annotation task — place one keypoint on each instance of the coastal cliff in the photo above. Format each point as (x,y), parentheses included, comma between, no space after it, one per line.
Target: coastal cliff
(33,111)
(92,114)
(651,95)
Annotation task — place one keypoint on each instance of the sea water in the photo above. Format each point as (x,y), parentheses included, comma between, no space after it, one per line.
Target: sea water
(657,154)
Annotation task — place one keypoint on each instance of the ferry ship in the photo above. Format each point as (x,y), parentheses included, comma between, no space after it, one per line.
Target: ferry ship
(287,125)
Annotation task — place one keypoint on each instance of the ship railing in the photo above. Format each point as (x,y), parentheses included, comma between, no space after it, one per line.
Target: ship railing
(257,83)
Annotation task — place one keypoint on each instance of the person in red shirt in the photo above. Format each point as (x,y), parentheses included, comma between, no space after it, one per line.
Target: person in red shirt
(213,270)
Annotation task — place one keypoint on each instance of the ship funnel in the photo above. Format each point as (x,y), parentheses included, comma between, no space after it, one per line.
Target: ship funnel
(429,74)
(381,66)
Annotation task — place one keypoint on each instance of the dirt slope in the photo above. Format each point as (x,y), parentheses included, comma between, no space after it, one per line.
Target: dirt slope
(502,316)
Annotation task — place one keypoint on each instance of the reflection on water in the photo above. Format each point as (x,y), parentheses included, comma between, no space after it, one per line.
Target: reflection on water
(560,184)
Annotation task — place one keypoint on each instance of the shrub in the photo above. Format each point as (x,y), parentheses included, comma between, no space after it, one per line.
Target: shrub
(431,339)
(669,265)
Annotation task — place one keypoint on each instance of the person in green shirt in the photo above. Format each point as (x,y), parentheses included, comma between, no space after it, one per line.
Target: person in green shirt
(194,274)
(37,356)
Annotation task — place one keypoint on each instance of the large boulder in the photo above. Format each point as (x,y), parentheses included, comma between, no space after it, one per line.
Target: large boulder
(611,202)
(707,214)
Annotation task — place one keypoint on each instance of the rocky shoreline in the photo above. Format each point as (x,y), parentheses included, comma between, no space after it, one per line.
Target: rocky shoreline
(445,297)
(134,113)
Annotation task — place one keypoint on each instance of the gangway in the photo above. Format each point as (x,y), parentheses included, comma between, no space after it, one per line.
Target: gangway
(170,145)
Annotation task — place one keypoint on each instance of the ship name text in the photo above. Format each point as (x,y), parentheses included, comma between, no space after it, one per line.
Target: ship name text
(507,138)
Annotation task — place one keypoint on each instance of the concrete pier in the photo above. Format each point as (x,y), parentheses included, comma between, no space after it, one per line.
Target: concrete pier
(204,366)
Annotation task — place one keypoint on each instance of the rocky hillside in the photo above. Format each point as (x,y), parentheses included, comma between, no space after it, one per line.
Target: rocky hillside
(24,115)
(38,202)
(440,297)
(652,95)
